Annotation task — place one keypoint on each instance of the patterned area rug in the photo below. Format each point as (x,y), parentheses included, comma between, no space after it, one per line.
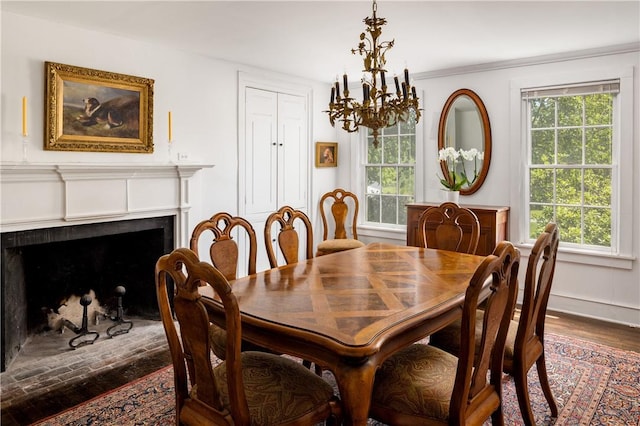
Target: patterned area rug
(593,385)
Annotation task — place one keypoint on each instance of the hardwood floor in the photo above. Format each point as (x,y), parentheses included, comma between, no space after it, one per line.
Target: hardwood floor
(606,333)
(614,335)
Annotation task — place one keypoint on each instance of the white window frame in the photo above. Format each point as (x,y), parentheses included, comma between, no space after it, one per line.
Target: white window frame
(621,254)
(358,142)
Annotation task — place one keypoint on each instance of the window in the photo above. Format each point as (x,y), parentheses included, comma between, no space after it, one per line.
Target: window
(390,174)
(571,165)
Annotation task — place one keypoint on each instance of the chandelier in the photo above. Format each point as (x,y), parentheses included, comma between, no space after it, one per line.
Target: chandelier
(379,108)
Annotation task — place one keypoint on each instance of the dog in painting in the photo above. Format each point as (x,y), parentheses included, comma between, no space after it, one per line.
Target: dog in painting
(116,112)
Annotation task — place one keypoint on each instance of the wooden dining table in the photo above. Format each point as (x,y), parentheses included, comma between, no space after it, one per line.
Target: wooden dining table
(349,311)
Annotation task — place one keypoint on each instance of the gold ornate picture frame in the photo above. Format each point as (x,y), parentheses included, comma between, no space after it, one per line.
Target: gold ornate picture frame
(97,111)
(326,154)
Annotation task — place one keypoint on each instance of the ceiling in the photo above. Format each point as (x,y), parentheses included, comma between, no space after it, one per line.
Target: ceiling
(314,39)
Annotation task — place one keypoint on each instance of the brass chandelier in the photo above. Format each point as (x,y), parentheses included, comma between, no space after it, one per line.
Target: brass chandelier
(379,108)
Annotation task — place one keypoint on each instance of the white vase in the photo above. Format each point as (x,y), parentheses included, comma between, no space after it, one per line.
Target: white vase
(453,196)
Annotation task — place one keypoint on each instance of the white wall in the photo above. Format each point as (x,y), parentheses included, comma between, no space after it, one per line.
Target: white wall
(584,289)
(201,93)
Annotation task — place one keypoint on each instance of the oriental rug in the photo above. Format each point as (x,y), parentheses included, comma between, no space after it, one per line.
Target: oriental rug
(592,384)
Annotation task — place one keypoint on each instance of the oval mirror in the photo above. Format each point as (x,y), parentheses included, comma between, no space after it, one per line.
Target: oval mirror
(464,125)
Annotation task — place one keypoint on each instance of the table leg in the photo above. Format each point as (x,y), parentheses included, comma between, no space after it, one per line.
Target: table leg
(355,383)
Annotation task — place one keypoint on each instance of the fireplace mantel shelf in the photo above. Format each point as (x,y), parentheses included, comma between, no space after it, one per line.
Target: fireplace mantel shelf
(42,195)
(93,170)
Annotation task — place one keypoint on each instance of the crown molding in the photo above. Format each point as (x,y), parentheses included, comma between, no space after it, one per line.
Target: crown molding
(533,60)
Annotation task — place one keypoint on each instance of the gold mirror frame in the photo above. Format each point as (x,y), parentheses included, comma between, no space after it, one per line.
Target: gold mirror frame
(486,129)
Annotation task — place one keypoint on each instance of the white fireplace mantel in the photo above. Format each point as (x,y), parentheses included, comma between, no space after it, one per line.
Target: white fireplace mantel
(38,196)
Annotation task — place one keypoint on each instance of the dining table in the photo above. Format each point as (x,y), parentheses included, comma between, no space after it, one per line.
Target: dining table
(349,311)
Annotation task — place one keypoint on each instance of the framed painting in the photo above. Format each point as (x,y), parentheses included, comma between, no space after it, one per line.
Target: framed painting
(97,111)
(326,154)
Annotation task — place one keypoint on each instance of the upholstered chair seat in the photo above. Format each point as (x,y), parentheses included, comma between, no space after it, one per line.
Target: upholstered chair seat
(448,339)
(288,390)
(417,381)
(334,246)
(218,341)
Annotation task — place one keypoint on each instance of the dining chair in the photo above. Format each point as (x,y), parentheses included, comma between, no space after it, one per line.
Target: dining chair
(449,227)
(224,254)
(289,242)
(248,388)
(345,234)
(525,339)
(288,239)
(422,384)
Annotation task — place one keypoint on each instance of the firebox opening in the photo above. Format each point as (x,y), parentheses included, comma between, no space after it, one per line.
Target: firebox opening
(56,271)
(42,267)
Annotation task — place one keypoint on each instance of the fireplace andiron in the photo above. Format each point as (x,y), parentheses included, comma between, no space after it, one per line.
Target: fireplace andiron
(84,336)
(121,326)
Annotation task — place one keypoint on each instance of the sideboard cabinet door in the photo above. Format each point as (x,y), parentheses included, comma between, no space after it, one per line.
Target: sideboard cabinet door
(494,225)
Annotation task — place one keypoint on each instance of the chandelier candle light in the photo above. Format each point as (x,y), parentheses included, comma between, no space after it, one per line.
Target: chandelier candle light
(379,108)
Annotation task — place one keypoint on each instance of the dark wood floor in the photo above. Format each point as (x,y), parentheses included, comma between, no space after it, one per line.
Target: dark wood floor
(610,334)
(615,335)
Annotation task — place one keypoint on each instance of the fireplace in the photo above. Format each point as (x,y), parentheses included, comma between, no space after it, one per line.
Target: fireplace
(71,227)
(41,267)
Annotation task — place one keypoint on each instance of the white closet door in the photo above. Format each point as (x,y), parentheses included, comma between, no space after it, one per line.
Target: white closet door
(275,162)
(261,151)
(292,152)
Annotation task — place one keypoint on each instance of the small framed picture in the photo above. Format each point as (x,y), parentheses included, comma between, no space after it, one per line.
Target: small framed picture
(326,154)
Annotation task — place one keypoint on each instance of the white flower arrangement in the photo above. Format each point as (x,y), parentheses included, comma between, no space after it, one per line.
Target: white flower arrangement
(451,157)
(471,155)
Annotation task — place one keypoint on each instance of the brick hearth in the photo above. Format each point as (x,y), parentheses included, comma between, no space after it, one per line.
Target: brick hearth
(47,368)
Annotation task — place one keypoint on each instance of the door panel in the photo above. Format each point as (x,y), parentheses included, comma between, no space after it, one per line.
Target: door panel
(261,165)
(292,155)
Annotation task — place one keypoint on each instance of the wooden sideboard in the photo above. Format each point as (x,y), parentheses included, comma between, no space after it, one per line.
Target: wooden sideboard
(494,225)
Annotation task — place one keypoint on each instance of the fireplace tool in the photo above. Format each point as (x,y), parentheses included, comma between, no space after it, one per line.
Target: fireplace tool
(84,336)
(121,326)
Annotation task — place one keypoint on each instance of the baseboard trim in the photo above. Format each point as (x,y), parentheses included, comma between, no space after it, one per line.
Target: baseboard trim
(596,310)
